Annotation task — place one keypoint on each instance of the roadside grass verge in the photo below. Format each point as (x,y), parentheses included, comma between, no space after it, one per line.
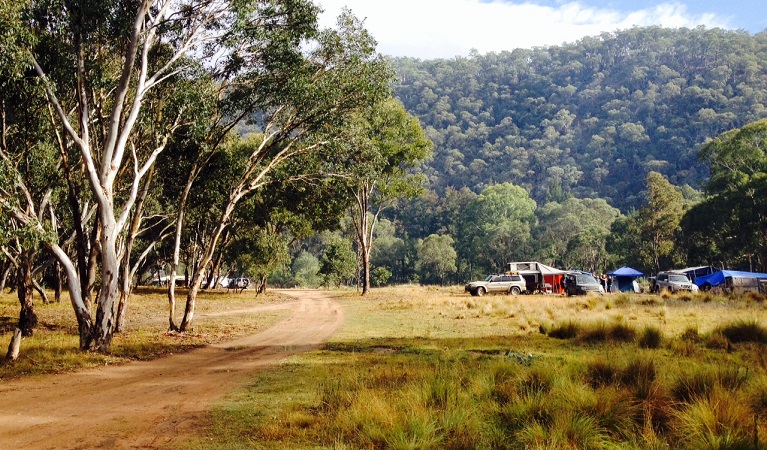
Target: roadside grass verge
(428,368)
(53,348)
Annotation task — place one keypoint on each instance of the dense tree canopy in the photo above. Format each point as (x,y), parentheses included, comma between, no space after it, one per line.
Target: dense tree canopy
(730,225)
(591,118)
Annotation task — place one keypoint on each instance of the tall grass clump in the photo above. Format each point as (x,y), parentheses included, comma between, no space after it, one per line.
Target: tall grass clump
(700,382)
(757,395)
(720,420)
(566,431)
(566,330)
(602,332)
(651,337)
(744,331)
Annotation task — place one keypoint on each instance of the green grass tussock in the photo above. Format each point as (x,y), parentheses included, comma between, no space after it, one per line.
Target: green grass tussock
(594,333)
(651,337)
(744,331)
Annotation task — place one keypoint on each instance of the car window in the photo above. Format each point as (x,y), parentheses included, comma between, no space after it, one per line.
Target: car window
(489,278)
(516,278)
(662,277)
(505,278)
(585,279)
(678,278)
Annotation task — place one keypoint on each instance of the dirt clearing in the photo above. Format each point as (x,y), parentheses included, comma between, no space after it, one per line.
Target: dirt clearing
(149,404)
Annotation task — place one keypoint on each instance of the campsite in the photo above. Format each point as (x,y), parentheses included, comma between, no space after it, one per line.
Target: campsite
(254,224)
(421,367)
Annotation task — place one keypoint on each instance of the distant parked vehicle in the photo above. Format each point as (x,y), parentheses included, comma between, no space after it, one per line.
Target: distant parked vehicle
(579,283)
(670,281)
(238,283)
(494,284)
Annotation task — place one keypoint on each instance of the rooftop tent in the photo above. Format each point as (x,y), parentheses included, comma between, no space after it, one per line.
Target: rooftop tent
(624,279)
(717,278)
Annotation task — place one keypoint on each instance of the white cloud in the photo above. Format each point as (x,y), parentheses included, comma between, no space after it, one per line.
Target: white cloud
(447,28)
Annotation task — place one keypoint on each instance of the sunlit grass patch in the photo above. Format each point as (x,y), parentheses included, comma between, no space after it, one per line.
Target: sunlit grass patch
(54,345)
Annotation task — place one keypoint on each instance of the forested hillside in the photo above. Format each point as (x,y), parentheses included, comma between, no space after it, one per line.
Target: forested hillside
(591,118)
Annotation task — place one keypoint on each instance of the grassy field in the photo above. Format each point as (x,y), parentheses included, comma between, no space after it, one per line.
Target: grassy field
(53,348)
(428,368)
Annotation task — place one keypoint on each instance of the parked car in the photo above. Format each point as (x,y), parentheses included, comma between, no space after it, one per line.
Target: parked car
(671,282)
(494,284)
(580,283)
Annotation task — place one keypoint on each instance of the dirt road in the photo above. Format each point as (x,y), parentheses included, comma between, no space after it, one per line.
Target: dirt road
(148,404)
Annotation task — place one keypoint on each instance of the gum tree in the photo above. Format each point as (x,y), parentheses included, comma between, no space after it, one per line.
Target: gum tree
(384,144)
(99,62)
(298,94)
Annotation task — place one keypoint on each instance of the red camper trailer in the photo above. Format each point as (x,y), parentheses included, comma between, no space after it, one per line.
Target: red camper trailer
(540,278)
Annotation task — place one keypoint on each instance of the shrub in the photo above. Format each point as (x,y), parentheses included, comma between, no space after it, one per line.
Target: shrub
(566,431)
(596,332)
(620,332)
(537,380)
(756,297)
(639,374)
(744,331)
(651,338)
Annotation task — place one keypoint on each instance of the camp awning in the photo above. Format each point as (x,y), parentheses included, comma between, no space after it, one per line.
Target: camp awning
(626,272)
(717,278)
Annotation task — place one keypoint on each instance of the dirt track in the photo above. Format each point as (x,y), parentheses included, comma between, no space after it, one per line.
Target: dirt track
(149,404)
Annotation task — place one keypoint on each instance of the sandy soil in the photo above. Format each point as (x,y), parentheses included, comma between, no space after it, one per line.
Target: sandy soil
(149,404)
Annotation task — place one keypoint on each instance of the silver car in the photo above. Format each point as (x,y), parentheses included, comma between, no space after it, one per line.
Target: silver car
(497,284)
(672,282)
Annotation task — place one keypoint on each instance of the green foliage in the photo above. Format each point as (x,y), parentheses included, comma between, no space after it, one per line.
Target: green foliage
(380,276)
(731,223)
(436,258)
(306,268)
(496,227)
(260,253)
(573,233)
(588,119)
(338,263)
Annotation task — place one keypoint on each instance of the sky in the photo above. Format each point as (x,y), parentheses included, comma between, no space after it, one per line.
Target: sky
(429,29)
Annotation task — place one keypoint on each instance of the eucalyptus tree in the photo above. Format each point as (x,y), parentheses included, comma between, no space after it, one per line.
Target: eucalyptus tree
(496,227)
(28,156)
(385,143)
(99,62)
(338,261)
(730,224)
(573,233)
(436,258)
(656,225)
(298,92)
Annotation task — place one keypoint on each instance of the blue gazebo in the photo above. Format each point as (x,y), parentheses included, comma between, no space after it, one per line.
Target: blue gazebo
(623,279)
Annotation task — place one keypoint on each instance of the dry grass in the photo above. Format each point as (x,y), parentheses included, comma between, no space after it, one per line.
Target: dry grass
(53,348)
(450,312)
(418,367)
